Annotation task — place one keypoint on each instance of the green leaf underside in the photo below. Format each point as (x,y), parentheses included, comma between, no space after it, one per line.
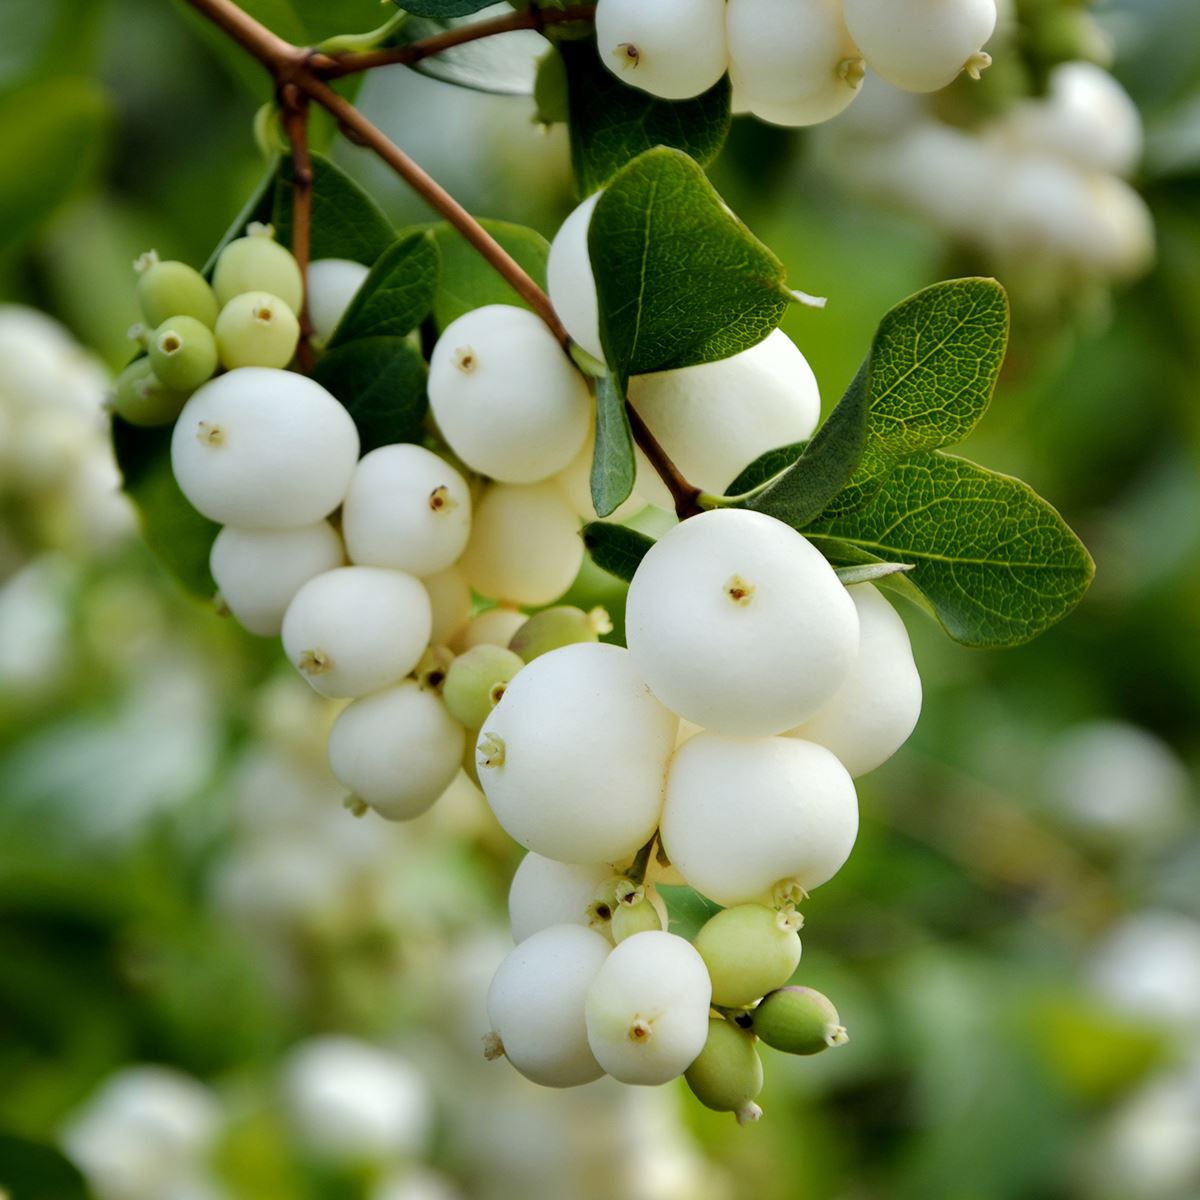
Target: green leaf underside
(612,123)
(178,536)
(765,467)
(870,572)
(397,295)
(444,8)
(346,222)
(259,207)
(680,280)
(501,65)
(468,282)
(996,562)
(615,548)
(614,466)
(381,382)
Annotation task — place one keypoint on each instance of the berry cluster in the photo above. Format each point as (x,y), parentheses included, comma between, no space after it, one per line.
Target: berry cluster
(792,62)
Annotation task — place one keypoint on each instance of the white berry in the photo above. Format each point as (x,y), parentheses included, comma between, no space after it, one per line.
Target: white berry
(355,630)
(745,814)
(571,282)
(536,1005)
(492,627)
(507,399)
(264,449)
(545,892)
(332,283)
(738,623)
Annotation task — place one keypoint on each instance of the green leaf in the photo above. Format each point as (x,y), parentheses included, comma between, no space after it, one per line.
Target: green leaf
(504,66)
(996,562)
(397,295)
(306,22)
(616,548)
(258,207)
(346,222)
(444,8)
(469,282)
(32,1171)
(870,572)
(611,123)
(179,537)
(687,909)
(550,94)
(381,382)
(680,279)
(52,137)
(765,467)
(614,467)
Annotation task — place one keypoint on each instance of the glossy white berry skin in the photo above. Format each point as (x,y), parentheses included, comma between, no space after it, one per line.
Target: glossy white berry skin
(545,892)
(259,571)
(921,45)
(397,750)
(738,623)
(647,1008)
(492,627)
(792,56)
(536,1005)
(332,283)
(264,449)
(743,814)
(673,49)
(578,750)
(406,508)
(871,715)
(507,399)
(711,439)
(450,605)
(258,263)
(524,546)
(355,630)
(571,282)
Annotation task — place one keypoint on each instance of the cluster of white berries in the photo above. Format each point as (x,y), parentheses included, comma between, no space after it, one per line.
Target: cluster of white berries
(792,62)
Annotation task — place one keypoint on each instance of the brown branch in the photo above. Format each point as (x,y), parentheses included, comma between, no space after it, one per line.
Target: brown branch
(333,66)
(294,105)
(685,495)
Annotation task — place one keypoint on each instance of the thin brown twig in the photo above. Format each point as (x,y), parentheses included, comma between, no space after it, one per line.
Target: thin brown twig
(685,495)
(294,105)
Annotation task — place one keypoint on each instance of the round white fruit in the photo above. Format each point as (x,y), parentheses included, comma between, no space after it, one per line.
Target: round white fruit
(572,759)
(545,892)
(398,750)
(671,48)
(744,814)
(788,54)
(536,1005)
(450,605)
(921,45)
(717,418)
(406,508)
(332,283)
(571,282)
(871,715)
(507,399)
(525,545)
(264,449)
(835,96)
(259,571)
(355,630)
(738,624)
(492,627)
(647,1008)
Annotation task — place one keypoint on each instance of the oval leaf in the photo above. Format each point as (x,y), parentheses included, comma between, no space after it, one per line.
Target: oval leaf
(468,282)
(614,466)
(397,295)
(616,548)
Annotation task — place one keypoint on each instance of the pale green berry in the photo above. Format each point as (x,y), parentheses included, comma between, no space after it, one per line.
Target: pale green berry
(749,950)
(141,398)
(476,680)
(183,353)
(257,329)
(798,1020)
(258,263)
(171,289)
(728,1074)
(637,910)
(559,626)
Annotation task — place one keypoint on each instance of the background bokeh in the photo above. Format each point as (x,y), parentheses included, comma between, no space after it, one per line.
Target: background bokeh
(215,983)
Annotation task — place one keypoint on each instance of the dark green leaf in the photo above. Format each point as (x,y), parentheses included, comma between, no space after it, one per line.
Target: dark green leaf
(397,295)
(680,279)
(444,8)
(870,572)
(550,90)
(258,207)
(32,1171)
(176,533)
(381,381)
(306,22)
(616,548)
(614,466)
(766,466)
(346,222)
(997,563)
(611,123)
(468,282)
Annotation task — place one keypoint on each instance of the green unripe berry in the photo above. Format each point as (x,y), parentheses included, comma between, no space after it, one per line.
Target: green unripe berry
(258,263)
(172,289)
(257,329)
(728,1073)
(559,626)
(635,912)
(183,353)
(476,680)
(798,1020)
(749,950)
(140,397)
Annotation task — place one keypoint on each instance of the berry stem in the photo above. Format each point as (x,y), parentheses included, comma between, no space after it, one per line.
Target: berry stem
(685,495)
(294,105)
